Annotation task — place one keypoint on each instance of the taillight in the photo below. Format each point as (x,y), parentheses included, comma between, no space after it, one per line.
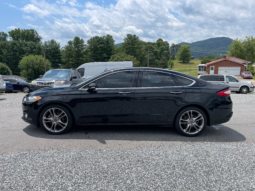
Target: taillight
(226,92)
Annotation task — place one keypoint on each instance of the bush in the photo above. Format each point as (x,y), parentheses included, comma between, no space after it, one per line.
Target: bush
(251,69)
(170,63)
(33,66)
(4,69)
(205,60)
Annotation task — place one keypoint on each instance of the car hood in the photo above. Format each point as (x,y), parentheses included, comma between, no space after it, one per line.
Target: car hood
(60,89)
(49,79)
(247,82)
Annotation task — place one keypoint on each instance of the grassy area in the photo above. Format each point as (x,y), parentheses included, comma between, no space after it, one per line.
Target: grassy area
(187,68)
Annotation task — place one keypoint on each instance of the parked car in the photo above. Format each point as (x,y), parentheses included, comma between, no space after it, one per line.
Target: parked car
(131,96)
(56,77)
(9,87)
(2,84)
(235,85)
(19,85)
(91,69)
(246,75)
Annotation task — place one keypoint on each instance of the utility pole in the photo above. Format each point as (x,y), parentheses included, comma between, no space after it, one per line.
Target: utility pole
(44,62)
(189,66)
(148,59)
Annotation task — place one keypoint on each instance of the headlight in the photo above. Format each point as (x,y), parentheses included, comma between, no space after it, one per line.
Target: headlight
(59,82)
(31,99)
(33,82)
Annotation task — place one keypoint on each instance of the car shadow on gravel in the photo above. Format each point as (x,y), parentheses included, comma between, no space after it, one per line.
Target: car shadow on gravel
(221,133)
(1,99)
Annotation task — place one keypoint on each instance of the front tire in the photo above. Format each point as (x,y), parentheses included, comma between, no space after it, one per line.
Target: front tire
(56,119)
(244,90)
(190,121)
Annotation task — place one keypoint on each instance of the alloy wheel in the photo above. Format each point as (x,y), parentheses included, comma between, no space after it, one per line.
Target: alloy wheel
(191,122)
(55,120)
(244,90)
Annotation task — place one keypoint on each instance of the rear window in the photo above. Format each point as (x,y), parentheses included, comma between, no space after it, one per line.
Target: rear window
(214,78)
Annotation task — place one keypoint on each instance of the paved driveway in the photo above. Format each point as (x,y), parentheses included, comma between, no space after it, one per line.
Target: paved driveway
(127,157)
(240,78)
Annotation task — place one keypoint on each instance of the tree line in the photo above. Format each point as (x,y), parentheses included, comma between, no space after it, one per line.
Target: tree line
(22,51)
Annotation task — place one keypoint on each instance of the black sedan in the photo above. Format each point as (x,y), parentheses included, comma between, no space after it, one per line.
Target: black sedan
(131,96)
(18,84)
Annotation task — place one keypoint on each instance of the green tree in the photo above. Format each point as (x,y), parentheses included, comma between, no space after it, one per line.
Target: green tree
(74,53)
(205,60)
(174,48)
(133,46)
(124,57)
(251,69)
(25,35)
(244,49)
(4,69)
(184,54)
(101,48)
(52,52)
(170,63)
(3,36)
(33,66)
(163,63)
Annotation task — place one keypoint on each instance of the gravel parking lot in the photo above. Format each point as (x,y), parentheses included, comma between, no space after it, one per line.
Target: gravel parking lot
(127,158)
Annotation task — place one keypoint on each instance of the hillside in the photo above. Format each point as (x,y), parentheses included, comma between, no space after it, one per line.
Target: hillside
(211,46)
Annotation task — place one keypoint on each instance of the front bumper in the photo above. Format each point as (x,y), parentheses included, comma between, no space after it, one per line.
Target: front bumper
(30,113)
(2,90)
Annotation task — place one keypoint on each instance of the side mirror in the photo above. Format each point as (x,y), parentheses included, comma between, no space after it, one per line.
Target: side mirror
(40,76)
(92,87)
(74,77)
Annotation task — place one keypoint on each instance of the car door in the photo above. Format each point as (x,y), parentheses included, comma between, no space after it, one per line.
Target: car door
(112,100)
(233,83)
(16,86)
(157,97)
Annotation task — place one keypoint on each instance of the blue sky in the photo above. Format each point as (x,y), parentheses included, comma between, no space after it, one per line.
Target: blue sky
(171,20)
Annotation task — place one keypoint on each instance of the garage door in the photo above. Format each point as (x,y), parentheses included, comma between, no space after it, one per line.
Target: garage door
(229,70)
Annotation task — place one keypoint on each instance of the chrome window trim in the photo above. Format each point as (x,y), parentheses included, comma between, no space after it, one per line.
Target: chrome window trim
(193,81)
(81,88)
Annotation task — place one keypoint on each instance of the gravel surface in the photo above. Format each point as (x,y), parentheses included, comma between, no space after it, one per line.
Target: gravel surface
(178,167)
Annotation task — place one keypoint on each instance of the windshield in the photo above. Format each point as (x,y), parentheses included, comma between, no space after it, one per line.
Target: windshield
(57,74)
(247,72)
(21,80)
(84,82)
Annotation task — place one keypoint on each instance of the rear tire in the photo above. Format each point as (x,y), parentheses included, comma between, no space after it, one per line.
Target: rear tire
(56,119)
(190,121)
(244,90)
(26,90)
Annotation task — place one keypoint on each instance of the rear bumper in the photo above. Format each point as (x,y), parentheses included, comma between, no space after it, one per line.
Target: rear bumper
(251,89)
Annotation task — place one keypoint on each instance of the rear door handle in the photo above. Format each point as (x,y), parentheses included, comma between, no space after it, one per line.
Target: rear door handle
(124,92)
(175,92)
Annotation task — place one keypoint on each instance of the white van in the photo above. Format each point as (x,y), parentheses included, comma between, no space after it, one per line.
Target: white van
(91,69)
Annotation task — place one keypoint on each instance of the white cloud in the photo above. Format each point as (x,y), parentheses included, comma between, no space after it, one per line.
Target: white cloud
(175,21)
(33,26)
(12,27)
(28,17)
(11,5)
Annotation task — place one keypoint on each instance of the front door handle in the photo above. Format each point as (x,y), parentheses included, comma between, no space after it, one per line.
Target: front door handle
(175,92)
(124,92)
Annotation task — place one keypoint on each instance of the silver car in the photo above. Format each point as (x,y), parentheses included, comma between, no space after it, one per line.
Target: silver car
(2,84)
(234,84)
